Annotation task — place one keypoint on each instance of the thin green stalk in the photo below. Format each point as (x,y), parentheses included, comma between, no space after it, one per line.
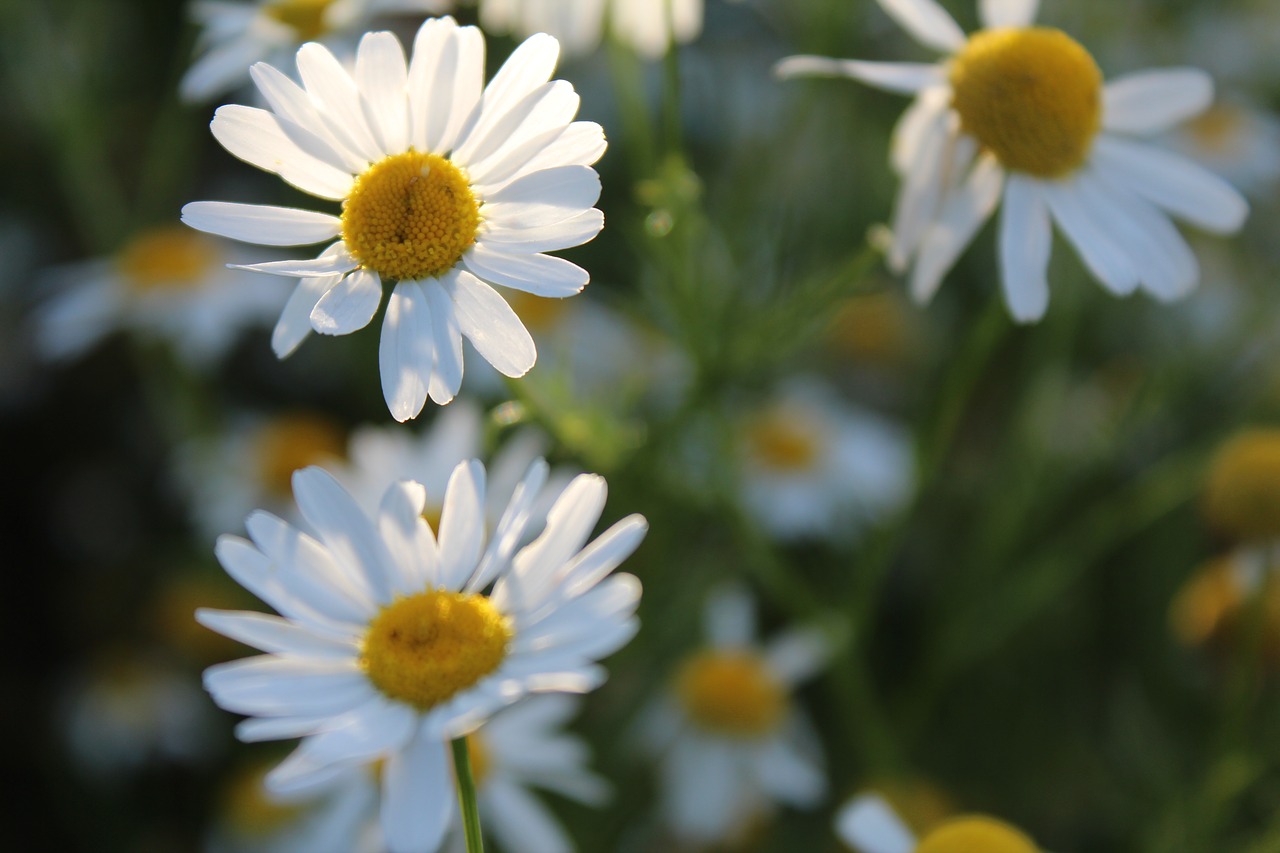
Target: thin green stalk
(467,796)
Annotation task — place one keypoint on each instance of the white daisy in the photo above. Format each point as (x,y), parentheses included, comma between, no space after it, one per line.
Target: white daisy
(815,465)
(869,825)
(234,35)
(731,738)
(167,283)
(389,646)
(1019,114)
(444,186)
(648,26)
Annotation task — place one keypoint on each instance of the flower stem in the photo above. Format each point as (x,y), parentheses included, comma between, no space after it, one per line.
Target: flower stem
(467,796)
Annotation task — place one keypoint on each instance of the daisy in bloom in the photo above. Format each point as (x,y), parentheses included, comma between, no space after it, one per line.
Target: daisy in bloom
(1019,114)
(392,642)
(446,185)
(869,825)
(234,35)
(166,283)
(648,26)
(732,740)
(814,465)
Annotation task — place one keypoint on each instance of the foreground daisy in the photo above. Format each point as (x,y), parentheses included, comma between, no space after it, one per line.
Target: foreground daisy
(234,35)
(1020,114)
(167,284)
(732,740)
(389,647)
(444,186)
(869,825)
(648,26)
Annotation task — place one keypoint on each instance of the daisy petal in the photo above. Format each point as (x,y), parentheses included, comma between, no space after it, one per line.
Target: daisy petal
(1007,13)
(1153,101)
(381,77)
(418,796)
(927,22)
(571,189)
(549,238)
(902,77)
(604,554)
(273,634)
(958,222)
(405,353)
(1026,237)
(332,88)
(291,102)
(529,66)
(493,328)
(295,319)
(731,618)
(1107,260)
(462,523)
(344,528)
(870,825)
(260,223)
(548,108)
(789,776)
(349,305)
(334,262)
(408,537)
(794,656)
(521,822)
(263,140)
(446,373)
(541,275)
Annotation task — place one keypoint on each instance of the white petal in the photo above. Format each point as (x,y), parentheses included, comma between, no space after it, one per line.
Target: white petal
(529,66)
(462,525)
(918,120)
(418,798)
(1107,260)
(569,523)
(730,616)
(927,22)
(260,223)
(446,75)
(903,77)
(870,825)
(330,86)
(790,776)
(569,189)
(604,554)
(581,143)
(295,320)
(703,790)
(288,687)
(334,262)
(378,726)
(291,102)
(548,108)
(219,70)
(253,570)
(963,214)
(1173,183)
(493,328)
(549,238)
(1152,101)
(280,147)
(273,634)
(541,275)
(381,77)
(796,655)
(1007,13)
(520,822)
(415,556)
(1025,241)
(509,531)
(349,305)
(446,374)
(405,351)
(922,187)
(345,530)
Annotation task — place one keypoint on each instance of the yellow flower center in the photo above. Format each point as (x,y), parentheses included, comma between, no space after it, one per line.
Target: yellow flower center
(731,693)
(1242,496)
(249,808)
(287,443)
(410,216)
(1217,129)
(1207,601)
(166,259)
(976,835)
(426,648)
(305,17)
(781,440)
(1033,97)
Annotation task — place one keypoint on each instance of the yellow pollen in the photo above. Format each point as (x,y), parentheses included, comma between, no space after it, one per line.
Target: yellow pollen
(976,835)
(426,648)
(409,216)
(731,693)
(166,259)
(249,808)
(287,443)
(783,441)
(305,17)
(1032,96)
(1242,495)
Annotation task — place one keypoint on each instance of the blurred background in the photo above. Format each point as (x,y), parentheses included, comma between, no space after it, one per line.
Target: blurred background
(1039,558)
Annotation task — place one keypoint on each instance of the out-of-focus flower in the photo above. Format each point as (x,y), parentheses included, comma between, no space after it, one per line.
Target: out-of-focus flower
(251,465)
(1238,141)
(648,26)
(129,708)
(234,35)
(869,825)
(389,647)
(1019,115)
(814,465)
(732,740)
(1242,488)
(167,283)
(872,329)
(444,186)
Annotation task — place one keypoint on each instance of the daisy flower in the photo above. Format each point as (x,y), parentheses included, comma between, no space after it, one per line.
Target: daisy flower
(1019,115)
(389,645)
(166,283)
(1210,606)
(812,464)
(445,187)
(869,825)
(234,35)
(648,26)
(732,740)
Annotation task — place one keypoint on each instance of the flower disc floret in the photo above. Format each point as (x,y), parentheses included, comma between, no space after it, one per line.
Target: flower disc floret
(304,17)
(731,693)
(1032,96)
(166,258)
(410,216)
(1242,496)
(784,442)
(425,648)
(973,834)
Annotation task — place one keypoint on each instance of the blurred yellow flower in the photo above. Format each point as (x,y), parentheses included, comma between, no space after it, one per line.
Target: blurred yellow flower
(1242,491)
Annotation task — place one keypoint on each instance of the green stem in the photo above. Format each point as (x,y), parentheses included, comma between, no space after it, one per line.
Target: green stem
(467,796)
